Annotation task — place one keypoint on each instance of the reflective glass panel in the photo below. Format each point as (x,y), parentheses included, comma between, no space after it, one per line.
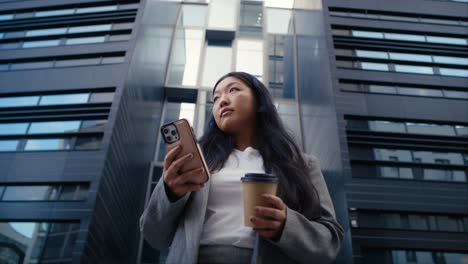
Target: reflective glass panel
(6,17)
(31,65)
(250,56)
(386,126)
(61,99)
(405,37)
(47,144)
(456,94)
(13,128)
(8,145)
(279,21)
(410,57)
(54,127)
(77,62)
(430,129)
(96,9)
(439,157)
(41,43)
(419,92)
(67,192)
(367,34)
(221,14)
(462,130)
(453,72)
(87,143)
(371,54)
(251,14)
(111,60)
(26,193)
(193,15)
(93,125)
(19,101)
(75,41)
(60,12)
(413,69)
(382,88)
(392,155)
(186,57)
(218,62)
(374,66)
(46,32)
(279,3)
(91,28)
(101,97)
(451,60)
(446,40)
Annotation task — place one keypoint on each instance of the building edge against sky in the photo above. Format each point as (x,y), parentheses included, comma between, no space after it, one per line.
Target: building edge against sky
(85,85)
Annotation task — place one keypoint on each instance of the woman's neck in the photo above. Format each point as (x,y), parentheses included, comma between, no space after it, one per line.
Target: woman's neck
(245,139)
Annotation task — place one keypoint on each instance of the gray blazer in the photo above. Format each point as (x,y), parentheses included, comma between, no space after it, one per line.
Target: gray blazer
(311,237)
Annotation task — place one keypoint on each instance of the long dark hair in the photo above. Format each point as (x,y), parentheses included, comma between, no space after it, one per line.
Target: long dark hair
(280,153)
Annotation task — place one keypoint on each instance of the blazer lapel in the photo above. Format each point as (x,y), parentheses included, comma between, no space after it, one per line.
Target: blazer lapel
(195,215)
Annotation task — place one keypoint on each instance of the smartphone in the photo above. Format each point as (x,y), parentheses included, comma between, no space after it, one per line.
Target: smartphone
(181,133)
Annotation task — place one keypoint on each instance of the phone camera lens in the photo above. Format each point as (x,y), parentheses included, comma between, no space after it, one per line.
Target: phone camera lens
(169,138)
(173,132)
(166,131)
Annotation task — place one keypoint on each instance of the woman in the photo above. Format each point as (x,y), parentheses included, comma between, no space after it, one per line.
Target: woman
(204,223)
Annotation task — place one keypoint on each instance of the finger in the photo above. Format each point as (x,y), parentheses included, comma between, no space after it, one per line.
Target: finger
(191,187)
(188,175)
(275,201)
(170,156)
(176,165)
(265,223)
(271,213)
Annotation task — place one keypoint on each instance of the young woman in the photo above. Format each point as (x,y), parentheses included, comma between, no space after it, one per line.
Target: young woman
(204,223)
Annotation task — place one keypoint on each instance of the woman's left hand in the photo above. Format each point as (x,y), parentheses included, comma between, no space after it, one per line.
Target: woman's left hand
(270,222)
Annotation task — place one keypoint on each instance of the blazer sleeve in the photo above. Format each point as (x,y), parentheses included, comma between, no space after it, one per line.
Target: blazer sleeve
(311,236)
(160,218)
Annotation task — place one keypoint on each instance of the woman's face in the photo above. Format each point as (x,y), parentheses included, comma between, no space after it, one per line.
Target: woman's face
(238,99)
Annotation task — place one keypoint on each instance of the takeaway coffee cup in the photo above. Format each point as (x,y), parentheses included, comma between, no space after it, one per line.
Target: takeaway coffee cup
(253,185)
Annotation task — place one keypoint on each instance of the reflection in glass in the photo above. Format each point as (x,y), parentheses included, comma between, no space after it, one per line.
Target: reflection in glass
(31,65)
(93,125)
(8,145)
(218,62)
(6,17)
(392,155)
(410,57)
(430,129)
(46,32)
(75,41)
(405,37)
(367,34)
(60,12)
(374,66)
(451,60)
(87,143)
(279,3)
(251,19)
(386,126)
(456,94)
(371,54)
(67,192)
(91,28)
(77,62)
(54,127)
(96,9)
(289,115)
(419,92)
(381,89)
(19,101)
(453,72)
(101,97)
(13,128)
(62,99)
(186,57)
(250,56)
(413,69)
(447,40)
(47,144)
(221,14)
(279,21)
(41,43)
(26,193)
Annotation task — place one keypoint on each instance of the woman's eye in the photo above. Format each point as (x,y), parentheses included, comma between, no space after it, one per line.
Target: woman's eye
(233,89)
(214,99)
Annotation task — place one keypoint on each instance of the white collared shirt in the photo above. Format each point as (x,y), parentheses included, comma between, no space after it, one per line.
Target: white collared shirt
(224,219)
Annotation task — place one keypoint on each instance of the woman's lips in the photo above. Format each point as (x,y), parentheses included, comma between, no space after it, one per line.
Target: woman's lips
(228,112)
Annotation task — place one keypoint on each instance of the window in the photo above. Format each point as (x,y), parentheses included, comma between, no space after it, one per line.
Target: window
(13,128)
(453,72)
(86,40)
(26,193)
(250,56)
(37,238)
(386,126)
(54,127)
(221,15)
(102,97)
(90,28)
(410,57)
(62,99)
(213,69)
(46,32)
(60,12)
(186,57)
(193,15)
(374,66)
(279,21)
(251,18)
(8,145)
(419,92)
(47,144)
(413,69)
(371,54)
(430,129)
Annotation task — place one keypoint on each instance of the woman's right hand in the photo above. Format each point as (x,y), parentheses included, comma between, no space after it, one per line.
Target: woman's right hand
(179,183)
